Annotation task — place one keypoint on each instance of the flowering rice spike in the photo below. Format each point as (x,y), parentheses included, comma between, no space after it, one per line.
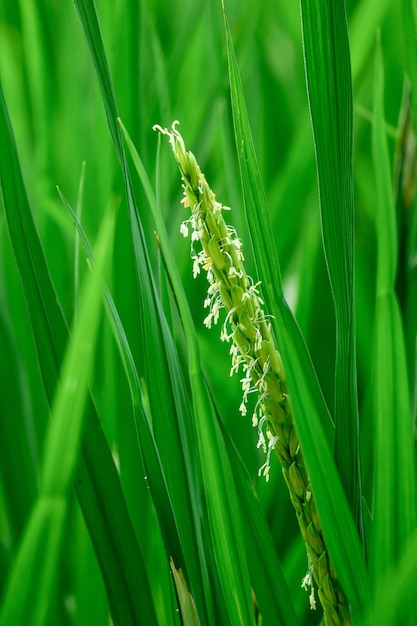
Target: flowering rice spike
(254,351)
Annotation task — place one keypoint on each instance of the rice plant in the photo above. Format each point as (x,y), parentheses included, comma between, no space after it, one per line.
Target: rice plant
(161,433)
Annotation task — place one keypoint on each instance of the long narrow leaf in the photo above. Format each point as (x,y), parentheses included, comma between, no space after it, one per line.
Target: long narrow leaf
(327,66)
(18,460)
(33,576)
(409,15)
(310,412)
(270,587)
(395,505)
(149,450)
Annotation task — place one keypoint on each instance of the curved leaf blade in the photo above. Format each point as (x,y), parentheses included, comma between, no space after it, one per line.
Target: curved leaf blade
(329,87)
(395,516)
(37,560)
(311,414)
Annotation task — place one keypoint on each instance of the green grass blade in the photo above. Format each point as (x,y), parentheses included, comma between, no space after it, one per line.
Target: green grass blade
(87,15)
(188,611)
(394,501)
(409,23)
(309,409)
(266,573)
(225,526)
(37,560)
(297,173)
(62,443)
(327,66)
(152,463)
(31,583)
(18,458)
(106,515)
(227,532)
(153,331)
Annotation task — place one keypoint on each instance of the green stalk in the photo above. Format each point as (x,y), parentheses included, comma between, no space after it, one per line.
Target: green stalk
(253,350)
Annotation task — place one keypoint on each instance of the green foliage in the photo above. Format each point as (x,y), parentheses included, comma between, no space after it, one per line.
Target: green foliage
(128,478)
